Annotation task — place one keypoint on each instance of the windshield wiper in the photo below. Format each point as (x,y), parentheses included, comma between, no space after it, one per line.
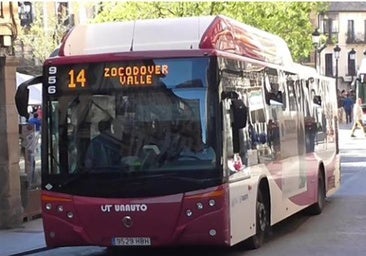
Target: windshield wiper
(85,172)
(169,176)
(188,179)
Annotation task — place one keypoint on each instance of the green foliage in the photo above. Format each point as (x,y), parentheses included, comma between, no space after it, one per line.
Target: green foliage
(43,37)
(289,20)
(118,11)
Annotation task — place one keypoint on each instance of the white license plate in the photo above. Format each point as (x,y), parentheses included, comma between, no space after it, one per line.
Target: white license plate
(131,241)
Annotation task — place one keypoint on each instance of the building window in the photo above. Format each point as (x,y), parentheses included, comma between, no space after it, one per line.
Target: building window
(63,13)
(329,64)
(352,63)
(329,27)
(1,10)
(350,31)
(25,13)
(64,16)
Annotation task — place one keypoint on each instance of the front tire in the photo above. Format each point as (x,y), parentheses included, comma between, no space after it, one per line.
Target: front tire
(318,207)
(262,222)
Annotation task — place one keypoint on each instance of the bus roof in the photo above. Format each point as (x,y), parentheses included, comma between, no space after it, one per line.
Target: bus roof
(184,33)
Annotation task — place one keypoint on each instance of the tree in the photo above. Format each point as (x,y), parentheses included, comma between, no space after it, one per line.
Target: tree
(36,41)
(289,20)
(42,37)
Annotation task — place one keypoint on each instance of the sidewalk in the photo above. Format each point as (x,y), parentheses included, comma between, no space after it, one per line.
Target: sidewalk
(26,238)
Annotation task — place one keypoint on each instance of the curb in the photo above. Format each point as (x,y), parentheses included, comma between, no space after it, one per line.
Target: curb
(42,249)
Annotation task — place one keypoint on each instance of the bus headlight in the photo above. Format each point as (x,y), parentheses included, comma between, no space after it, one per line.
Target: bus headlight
(60,208)
(211,203)
(199,206)
(189,213)
(70,215)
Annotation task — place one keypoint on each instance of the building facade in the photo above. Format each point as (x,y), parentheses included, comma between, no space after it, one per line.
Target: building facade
(342,25)
(15,196)
(61,14)
(8,26)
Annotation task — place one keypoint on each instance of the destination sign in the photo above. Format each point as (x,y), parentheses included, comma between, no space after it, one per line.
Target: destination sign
(130,75)
(136,75)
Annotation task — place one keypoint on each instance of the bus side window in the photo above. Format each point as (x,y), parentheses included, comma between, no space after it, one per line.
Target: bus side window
(317,100)
(274,96)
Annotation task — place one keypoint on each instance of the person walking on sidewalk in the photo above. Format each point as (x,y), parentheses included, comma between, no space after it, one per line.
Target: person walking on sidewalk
(348,107)
(357,118)
(35,121)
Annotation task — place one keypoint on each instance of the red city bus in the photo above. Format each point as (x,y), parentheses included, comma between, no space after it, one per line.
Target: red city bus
(207,136)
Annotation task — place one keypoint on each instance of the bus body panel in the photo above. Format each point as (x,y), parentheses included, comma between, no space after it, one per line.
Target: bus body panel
(163,220)
(243,192)
(243,195)
(333,175)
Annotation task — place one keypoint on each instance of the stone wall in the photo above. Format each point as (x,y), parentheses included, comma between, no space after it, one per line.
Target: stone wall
(10,197)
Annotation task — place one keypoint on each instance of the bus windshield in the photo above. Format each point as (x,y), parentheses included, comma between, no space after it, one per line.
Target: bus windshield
(105,126)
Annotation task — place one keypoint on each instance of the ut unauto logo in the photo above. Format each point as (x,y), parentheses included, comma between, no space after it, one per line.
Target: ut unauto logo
(124,207)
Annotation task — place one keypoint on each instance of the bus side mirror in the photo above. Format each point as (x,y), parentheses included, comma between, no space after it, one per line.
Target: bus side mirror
(240,113)
(22,95)
(21,100)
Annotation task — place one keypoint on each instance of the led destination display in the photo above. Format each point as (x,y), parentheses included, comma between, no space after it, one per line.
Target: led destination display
(131,75)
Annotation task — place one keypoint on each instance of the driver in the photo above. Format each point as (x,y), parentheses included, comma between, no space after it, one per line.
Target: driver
(104,149)
(193,146)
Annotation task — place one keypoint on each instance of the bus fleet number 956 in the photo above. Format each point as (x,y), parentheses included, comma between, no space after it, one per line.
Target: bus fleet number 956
(51,89)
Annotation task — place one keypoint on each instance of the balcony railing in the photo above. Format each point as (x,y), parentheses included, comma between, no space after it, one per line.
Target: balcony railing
(359,38)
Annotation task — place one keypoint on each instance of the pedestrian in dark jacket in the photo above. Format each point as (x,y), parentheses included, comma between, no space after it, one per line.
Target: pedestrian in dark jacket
(348,108)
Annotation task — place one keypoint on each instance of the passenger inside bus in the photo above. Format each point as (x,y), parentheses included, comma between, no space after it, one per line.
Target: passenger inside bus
(104,149)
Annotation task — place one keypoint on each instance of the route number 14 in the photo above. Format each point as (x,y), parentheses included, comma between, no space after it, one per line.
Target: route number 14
(77,79)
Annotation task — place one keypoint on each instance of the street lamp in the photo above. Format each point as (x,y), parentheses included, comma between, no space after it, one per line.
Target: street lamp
(318,48)
(336,50)
(352,54)
(352,64)
(316,40)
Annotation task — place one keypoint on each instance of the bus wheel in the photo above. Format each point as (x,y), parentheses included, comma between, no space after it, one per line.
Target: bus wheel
(262,222)
(317,207)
